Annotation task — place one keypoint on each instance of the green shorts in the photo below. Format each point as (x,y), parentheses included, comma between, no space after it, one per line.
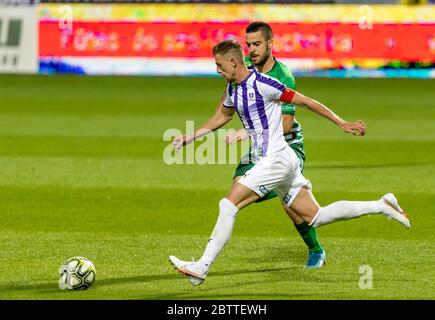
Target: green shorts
(242,168)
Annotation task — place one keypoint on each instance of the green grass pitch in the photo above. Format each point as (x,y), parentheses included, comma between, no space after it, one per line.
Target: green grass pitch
(82,174)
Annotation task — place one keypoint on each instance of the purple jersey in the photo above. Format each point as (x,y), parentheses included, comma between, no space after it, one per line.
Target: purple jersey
(257,103)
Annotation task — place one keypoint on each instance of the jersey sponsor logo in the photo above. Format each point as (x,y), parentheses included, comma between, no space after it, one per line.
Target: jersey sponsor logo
(263,190)
(287,198)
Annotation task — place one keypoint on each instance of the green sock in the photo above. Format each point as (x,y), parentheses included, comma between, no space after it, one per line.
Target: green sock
(309,235)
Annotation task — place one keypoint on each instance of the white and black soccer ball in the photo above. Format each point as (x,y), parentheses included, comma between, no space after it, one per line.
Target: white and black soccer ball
(77,273)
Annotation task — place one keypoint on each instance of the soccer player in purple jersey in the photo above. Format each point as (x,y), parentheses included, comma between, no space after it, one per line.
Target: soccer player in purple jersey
(256,98)
(259,40)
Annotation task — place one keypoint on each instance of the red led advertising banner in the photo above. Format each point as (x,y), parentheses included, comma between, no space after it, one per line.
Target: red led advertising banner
(405,42)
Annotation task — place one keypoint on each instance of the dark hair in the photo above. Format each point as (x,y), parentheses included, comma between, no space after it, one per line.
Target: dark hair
(265,29)
(226,46)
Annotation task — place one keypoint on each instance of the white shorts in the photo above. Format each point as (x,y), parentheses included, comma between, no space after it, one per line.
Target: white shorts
(279,172)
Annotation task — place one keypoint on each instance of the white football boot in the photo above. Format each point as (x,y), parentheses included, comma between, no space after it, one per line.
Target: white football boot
(191,269)
(394,211)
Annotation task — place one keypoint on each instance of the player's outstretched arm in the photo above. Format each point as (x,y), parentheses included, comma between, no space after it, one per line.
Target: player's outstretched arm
(357,128)
(220,118)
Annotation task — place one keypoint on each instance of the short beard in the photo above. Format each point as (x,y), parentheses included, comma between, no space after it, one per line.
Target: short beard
(263,60)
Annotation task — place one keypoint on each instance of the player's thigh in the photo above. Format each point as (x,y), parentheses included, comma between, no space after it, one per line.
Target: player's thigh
(262,178)
(305,204)
(235,181)
(241,195)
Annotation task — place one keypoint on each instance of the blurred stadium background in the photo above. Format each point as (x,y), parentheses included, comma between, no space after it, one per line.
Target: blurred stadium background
(359,38)
(89,88)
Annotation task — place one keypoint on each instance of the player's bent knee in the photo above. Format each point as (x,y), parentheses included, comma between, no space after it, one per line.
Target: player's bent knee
(293,215)
(227,207)
(316,220)
(305,205)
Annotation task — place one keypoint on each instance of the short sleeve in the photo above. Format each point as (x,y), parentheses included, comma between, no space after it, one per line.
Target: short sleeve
(281,72)
(269,87)
(289,82)
(228,102)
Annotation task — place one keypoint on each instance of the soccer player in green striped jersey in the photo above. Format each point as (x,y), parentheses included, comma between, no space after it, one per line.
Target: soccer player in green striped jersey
(259,39)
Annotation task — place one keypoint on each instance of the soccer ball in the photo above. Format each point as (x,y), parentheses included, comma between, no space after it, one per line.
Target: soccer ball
(77,273)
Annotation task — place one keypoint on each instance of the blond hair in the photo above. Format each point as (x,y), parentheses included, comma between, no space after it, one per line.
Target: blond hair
(230,46)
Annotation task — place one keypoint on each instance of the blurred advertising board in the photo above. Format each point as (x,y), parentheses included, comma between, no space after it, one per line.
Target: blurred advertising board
(18,37)
(164,39)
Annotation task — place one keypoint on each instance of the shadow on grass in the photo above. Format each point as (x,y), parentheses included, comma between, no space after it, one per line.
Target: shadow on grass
(215,292)
(365,165)
(221,291)
(239,290)
(244,271)
(53,285)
